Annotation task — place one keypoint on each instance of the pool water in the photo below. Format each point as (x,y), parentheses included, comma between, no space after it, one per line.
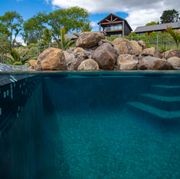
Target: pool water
(110,125)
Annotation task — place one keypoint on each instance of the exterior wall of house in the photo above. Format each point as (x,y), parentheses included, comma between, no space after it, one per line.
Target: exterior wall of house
(127,31)
(116,29)
(113,25)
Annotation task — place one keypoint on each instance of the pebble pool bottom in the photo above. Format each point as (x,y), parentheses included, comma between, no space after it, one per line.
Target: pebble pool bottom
(78,125)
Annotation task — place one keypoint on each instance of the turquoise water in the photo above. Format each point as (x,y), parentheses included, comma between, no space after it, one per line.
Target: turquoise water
(108,125)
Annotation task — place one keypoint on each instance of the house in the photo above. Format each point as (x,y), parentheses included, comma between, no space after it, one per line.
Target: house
(114,25)
(157,28)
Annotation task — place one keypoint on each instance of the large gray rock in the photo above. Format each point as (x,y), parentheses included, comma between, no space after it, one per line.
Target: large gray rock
(106,56)
(127,62)
(125,46)
(51,59)
(175,62)
(149,51)
(154,63)
(71,61)
(75,57)
(171,53)
(88,65)
(89,39)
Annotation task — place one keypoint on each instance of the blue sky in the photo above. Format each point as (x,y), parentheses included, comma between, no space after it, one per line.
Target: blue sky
(28,8)
(136,12)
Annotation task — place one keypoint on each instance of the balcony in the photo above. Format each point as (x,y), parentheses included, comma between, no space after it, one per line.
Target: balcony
(113,28)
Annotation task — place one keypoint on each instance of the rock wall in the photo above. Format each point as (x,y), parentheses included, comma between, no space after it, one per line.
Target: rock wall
(93,52)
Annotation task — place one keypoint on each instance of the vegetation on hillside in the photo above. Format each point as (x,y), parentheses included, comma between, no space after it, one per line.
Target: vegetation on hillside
(160,40)
(175,35)
(39,32)
(152,23)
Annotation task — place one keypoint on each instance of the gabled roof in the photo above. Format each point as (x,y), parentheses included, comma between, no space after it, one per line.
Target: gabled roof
(157,27)
(115,16)
(111,14)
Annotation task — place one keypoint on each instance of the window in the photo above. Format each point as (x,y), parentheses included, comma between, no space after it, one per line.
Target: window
(113,27)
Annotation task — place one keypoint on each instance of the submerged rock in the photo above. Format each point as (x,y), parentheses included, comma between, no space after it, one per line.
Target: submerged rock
(89,65)
(51,59)
(89,39)
(106,56)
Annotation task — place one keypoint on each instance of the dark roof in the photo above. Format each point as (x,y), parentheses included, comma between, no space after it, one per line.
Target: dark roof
(111,14)
(121,19)
(157,27)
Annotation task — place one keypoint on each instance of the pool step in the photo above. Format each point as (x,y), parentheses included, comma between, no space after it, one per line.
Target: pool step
(156,112)
(167,86)
(165,90)
(169,99)
(161,102)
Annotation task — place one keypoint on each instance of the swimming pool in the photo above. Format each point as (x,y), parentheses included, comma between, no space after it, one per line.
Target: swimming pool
(90,125)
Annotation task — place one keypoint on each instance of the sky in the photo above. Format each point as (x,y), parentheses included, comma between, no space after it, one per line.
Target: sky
(136,12)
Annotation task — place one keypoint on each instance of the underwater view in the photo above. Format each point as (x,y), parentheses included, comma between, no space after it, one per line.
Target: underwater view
(90,125)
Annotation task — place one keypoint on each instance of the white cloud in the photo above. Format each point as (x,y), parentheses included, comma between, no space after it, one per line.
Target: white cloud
(140,12)
(94,25)
(142,17)
(20,40)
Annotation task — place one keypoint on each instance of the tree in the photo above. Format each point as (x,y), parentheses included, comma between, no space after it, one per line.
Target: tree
(151,23)
(86,27)
(169,16)
(65,43)
(72,19)
(46,37)
(175,35)
(34,28)
(11,25)
(4,44)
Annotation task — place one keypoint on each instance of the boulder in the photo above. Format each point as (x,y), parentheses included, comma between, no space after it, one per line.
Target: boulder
(149,51)
(104,41)
(127,62)
(175,62)
(32,64)
(88,65)
(70,60)
(106,56)
(142,44)
(75,57)
(125,46)
(171,53)
(89,39)
(154,63)
(51,59)
(82,53)
(79,50)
